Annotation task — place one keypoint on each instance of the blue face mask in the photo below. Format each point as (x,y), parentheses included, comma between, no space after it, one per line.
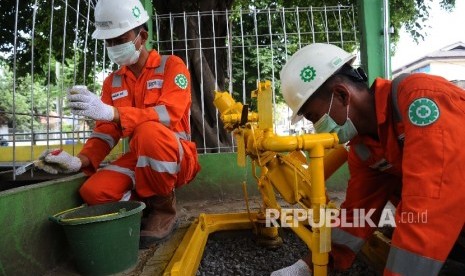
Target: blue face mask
(326,124)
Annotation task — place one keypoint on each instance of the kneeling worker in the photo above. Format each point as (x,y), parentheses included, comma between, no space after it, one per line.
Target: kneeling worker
(148,100)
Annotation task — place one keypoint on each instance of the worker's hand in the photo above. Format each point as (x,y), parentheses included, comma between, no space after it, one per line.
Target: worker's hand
(85,103)
(58,161)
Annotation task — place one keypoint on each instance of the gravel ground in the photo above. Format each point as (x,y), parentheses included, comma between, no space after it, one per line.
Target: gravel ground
(235,253)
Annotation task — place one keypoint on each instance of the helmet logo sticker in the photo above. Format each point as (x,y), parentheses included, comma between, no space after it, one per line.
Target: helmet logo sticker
(181,81)
(423,112)
(307,74)
(136,12)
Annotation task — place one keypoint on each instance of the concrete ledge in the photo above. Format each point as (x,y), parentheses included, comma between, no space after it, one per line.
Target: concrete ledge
(30,244)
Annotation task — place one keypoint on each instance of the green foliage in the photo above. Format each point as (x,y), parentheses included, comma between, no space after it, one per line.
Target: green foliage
(32,99)
(290,30)
(52,30)
(411,13)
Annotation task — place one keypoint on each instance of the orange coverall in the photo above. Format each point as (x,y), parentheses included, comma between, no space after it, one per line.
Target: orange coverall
(427,168)
(154,112)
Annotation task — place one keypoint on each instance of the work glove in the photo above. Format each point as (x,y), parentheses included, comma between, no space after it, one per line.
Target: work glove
(58,161)
(300,268)
(85,103)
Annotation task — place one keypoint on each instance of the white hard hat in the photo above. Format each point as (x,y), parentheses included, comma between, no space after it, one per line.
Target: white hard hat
(115,17)
(307,70)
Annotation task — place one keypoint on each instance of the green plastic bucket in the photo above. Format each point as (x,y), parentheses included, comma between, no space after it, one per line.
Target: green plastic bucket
(104,239)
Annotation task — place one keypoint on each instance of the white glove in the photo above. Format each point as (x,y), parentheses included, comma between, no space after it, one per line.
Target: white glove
(85,103)
(57,161)
(300,268)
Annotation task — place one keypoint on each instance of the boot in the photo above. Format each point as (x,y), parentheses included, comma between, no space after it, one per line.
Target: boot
(160,221)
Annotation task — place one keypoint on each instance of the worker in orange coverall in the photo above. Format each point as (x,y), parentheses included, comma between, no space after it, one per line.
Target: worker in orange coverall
(408,139)
(148,100)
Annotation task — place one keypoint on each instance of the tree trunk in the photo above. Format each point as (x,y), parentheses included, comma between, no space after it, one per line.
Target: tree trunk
(201,59)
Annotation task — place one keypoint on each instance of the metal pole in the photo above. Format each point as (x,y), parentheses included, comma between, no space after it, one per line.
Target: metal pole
(372,44)
(387,48)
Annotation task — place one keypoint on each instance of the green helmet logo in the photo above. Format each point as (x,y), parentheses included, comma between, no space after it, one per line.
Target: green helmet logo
(307,74)
(136,12)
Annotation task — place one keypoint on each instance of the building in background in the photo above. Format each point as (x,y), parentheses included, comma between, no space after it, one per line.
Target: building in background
(448,62)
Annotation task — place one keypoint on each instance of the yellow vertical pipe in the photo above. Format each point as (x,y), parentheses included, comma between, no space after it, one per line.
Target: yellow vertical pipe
(318,199)
(317,195)
(265,105)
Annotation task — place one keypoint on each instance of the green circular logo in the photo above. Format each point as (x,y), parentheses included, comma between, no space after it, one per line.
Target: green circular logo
(307,74)
(136,12)
(181,81)
(423,112)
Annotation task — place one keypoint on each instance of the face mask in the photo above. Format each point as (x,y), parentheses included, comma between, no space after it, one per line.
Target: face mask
(124,54)
(326,124)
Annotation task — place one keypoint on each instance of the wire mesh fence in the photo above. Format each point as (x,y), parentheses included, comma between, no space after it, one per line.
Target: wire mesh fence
(46,48)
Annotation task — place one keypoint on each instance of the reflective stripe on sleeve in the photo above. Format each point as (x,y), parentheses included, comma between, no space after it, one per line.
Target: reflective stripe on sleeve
(183,135)
(163,115)
(342,237)
(117,81)
(105,137)
(124,171)
(157,165)
(161,68)
(406,263)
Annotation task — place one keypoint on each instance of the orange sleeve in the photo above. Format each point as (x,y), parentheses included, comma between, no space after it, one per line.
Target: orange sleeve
(104,136)
(367,189)
(175,98)
(429,117)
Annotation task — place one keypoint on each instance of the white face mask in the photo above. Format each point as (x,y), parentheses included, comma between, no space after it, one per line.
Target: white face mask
(124,54)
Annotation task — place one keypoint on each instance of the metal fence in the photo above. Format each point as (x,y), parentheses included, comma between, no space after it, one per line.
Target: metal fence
(253,46)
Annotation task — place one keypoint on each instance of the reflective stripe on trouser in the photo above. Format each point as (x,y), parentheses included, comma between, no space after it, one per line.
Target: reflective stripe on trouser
(155,157)
(342,237)
(403,262)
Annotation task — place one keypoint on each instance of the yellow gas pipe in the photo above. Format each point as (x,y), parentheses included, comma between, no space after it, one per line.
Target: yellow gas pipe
(297,180)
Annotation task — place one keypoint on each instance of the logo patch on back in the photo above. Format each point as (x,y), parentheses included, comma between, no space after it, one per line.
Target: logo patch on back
(151,84)
(423,112)
(119,95)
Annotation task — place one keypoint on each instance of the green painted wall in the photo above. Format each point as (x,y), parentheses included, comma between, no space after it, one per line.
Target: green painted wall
(29,243)
(32,245)
(220,178)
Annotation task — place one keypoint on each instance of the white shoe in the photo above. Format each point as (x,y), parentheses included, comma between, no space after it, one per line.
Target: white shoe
(300,268)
